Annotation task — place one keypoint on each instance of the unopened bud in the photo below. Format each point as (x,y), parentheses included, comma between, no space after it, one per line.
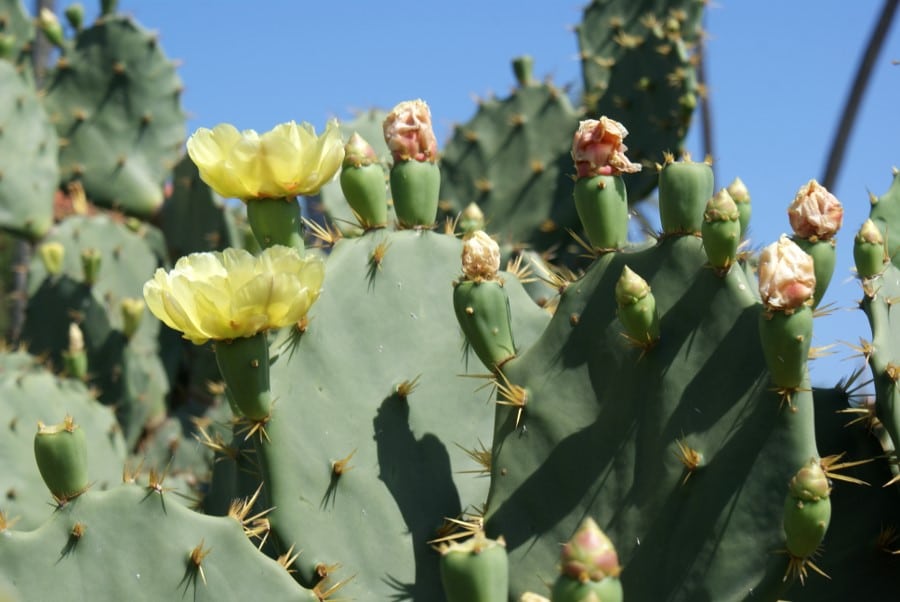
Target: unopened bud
(630,288)
(810,483)
(480,257)
(52,255)
(358,152)
(870,233)
(408,132)
(91,261)
(75,358)
(132,312)
(75,16)
(471,218)
(721,208)
(738,191)
(51,27)
(590,555)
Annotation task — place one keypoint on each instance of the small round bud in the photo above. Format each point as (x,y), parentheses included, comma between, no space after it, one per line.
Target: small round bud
(630,288)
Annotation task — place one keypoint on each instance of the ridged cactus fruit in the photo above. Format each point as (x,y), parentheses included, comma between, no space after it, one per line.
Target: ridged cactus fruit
(61,454)
(741,196)
(476,570)
(114,84)
(128,542)
(600,197)
(787,282)
(362,182)
(869,252)
(395,415)
(481,302)
(589,567)
(687,440)
(637,309)
(415,176)
(28,149)
(684,188)
(513,159)
(32,394)
(816,216)
(637,69)
(807,513)
(721,230)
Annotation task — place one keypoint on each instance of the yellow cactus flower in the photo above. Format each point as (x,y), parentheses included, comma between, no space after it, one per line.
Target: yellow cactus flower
(287,161)
(232,294)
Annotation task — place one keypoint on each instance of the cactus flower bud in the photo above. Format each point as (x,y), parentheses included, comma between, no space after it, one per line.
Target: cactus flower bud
(75,358)
(787,279)
(815,212)
(630,288)
(480,257)
(590,555)
(91,261)
(76,339)
(471,218)
(358,152)
(868,250)
(810,483)
(52,255)
(132,312)
(721,207)
(721,229)
(75,15)
(738,191)
(408,132)
(51,27)
(597,149)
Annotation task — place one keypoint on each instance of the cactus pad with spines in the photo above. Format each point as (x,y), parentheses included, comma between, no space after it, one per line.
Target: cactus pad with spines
(115,100)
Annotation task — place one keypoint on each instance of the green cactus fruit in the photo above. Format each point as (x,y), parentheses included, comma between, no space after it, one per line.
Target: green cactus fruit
(684,188)
(51,27)
(244,364)
(132,309)
(362,182)
(807,510)
(786,338)
(476,570)
(566,589)
(52,255)
(415,188)
(721,230)
(91,262)
(602,205)
(637,308)
(276,222)
(29,171)
(75,16)
(61,454)
(824,259)
(868,250)
(481,303)
(741,196)
(75,360)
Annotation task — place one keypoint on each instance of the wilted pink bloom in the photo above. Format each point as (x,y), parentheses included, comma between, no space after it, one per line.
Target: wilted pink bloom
(408,132)
(815,212)
(597,149)
(786,276)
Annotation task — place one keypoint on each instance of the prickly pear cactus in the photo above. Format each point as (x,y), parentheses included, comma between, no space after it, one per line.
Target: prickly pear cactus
(115,99)
(637,69)
(31,393)
(512,159)
(384,436)
(97,545)
(16,31)
(28,149)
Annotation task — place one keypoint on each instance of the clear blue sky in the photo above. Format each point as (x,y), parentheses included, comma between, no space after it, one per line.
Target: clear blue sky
(779,73)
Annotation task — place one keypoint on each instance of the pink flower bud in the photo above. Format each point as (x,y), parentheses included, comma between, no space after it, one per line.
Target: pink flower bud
(590,555)
(597,149)
(786,276)
(408,132)
(815,212)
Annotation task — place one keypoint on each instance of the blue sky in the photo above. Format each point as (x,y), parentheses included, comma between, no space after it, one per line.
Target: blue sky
(778,71)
